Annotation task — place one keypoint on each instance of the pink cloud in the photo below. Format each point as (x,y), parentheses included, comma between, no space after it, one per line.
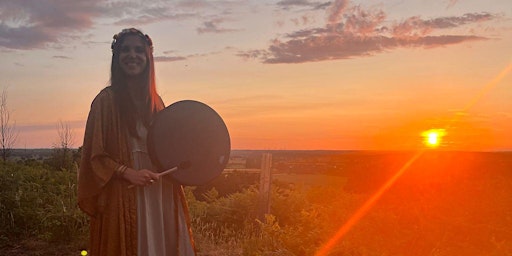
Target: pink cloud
(352,31)
(415,26)
(302,21)
(362,22)
(336,10)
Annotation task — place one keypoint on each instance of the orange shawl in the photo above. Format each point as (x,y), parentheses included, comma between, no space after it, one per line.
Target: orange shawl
(112,207)
(106,198)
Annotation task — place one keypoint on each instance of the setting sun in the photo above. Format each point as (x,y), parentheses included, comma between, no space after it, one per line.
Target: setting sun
(432,138)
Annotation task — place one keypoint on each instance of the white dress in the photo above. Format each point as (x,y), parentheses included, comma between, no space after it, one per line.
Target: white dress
(162,228)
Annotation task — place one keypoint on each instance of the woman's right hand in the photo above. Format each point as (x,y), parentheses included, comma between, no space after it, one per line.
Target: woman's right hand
(142,177)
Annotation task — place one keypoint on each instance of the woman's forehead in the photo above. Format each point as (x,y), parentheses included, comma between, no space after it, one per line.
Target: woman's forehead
(133,40)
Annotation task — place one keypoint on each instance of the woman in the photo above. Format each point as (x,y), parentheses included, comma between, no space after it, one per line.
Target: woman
(152,217)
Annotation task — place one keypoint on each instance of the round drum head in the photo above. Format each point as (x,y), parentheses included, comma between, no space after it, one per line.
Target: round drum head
(192,134)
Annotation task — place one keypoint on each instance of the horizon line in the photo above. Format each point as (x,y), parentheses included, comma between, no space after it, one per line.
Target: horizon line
(332,150)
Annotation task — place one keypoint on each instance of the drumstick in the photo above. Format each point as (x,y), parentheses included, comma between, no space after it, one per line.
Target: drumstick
(183,165)
(168,171)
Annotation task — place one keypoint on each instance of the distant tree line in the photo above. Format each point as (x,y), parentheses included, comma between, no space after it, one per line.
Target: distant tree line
(63,156)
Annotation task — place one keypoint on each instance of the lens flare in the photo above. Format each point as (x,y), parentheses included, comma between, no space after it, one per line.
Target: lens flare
(438,133)
(432,137)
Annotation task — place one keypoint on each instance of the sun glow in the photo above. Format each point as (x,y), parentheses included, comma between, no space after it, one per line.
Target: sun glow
(432,138)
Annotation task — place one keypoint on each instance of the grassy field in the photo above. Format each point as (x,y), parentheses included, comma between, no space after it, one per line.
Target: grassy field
(444,204)
(310,180)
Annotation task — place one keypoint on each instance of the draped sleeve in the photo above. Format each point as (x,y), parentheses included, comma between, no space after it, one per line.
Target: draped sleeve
(104,150)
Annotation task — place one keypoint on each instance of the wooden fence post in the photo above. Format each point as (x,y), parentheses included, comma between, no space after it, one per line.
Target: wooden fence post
(265,189)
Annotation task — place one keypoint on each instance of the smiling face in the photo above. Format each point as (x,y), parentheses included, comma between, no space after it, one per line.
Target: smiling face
(132,57)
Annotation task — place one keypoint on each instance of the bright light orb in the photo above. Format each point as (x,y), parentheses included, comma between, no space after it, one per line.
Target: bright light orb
(432,137)
(83,253)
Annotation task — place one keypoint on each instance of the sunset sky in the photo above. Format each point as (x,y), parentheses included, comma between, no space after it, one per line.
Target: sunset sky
(290,74)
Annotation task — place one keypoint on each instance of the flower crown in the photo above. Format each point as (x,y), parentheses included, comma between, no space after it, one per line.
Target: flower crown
(132,31)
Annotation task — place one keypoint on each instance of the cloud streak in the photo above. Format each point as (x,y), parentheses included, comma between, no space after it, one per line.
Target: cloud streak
(179,58)
(169,58)
(140,12)
(288,4)
(61,57)
(213,26)
(352,31)
(38,23)
(77,124)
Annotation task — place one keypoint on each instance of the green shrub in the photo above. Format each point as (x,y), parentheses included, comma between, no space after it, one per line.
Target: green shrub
(37,202)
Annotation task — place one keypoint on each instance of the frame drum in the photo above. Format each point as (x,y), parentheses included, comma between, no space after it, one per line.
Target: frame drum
(193,133)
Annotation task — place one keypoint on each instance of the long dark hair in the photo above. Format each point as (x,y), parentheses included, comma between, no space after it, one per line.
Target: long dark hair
(127,107)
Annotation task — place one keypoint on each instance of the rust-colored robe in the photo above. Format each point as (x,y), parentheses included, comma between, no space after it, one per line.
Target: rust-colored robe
(106,198)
